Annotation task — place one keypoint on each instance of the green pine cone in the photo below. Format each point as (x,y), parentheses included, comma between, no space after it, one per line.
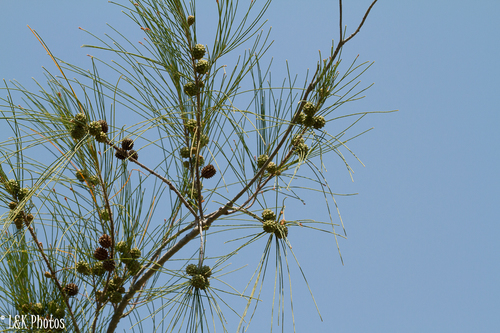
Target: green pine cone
(23,193)
(94,180)
(281,231)
(319,122)
(272,168)
(297,139)
(134,266)
(78,132)
(308,121)
(115,297)
(83,267)
(268,214)
(135,253)
(301,118)
(301,149)
(121,247)
(98,269)
(104,214)
(101,137)
(269,226)
(261,160)
(191,89)
(206,271)
(198,51)
(199,281)
(81,175)
(309,109)
(191,125)
(95,128)
(12,186)
(80,118)
(185,152)
(202,66)
(191,269)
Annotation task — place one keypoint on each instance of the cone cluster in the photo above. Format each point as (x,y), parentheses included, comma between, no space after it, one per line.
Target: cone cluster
(271,226)
(199,276)
(18,194)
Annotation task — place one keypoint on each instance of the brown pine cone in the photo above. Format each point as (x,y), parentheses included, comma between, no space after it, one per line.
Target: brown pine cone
(101,253)
(133,154)
(109,265)
(71,289)
(121,154)
(208,171)
(105,241)
(127,144)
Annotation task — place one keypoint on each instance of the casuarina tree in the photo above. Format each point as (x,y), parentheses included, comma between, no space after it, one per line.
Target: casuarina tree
(119,190)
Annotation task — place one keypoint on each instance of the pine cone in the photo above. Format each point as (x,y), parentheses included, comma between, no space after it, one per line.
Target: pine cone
(272,168)
(268,214)
(269,226)
(199,281)
(202,66)
(101,253)
(297,139)
(198,51)
(301,149)
(191,89)
(308,121)
(115,297)
(204,140)
(23,193)
(95,128)
(319,122)
(135,253)
(127,144)
(190,20)
(184,152)
(12,186)
(191,269)
(206,271)
(301,118)
(80,118)
(191,125)
(121,247)
(78,132)
(81,175)
(108,265)
(261,160)
(309,109)
(104,125)
(71,289)
(133,154)
(83,267)
(208,171)
(105,241)
(98,269)
(121,154)
(281,230)
(101,137)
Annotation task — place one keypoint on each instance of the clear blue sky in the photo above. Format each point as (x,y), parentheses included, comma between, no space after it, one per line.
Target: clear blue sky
(422,253)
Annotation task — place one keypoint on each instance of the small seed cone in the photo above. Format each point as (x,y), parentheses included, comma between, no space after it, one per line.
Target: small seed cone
(127,144)
(208,171)
(101,253)
(105,241)
(71,289)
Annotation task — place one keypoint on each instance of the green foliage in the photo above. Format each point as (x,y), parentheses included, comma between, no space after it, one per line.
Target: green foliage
(111,223)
